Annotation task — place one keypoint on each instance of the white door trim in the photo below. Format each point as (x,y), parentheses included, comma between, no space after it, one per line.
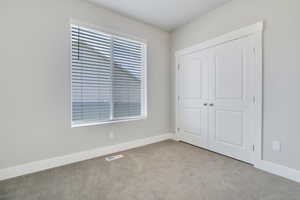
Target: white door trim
(248,30)
(243,32)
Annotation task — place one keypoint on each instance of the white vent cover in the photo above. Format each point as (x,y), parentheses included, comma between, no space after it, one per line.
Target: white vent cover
(115,157)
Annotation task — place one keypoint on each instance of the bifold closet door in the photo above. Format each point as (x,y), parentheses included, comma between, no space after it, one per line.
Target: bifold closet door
(230,99)
(193,117)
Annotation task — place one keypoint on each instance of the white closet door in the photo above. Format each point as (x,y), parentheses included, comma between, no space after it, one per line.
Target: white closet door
(230,99)
(193,114)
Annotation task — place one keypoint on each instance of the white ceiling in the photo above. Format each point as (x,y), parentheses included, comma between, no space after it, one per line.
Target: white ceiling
(166,14)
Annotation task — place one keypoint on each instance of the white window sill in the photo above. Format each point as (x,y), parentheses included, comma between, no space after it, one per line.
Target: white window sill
(76,125)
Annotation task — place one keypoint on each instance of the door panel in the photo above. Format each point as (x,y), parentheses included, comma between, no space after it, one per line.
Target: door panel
(194,94)
(229,127)
(192,121)
(231,98)
(191,78)
(229,79)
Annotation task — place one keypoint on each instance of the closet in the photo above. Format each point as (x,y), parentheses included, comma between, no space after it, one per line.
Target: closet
(218,95)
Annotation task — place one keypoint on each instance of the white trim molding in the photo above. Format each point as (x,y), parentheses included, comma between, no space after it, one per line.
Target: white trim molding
(42,165)
(234,35)
(279,170)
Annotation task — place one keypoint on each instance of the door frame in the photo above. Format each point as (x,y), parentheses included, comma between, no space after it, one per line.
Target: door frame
(257,30)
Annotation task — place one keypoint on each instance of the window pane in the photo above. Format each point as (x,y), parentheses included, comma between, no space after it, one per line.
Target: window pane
(91,76)
(127,78)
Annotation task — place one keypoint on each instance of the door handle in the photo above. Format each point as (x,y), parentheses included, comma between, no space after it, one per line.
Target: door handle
(211,104)
(205,104)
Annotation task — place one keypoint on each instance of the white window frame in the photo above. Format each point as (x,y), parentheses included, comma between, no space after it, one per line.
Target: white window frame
(144,108)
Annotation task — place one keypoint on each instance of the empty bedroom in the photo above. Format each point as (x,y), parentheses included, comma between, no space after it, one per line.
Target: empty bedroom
(150,100)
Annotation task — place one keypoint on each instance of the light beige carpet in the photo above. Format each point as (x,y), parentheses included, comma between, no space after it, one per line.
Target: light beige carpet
(164,171)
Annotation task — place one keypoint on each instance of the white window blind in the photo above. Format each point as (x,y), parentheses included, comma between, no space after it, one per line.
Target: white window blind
(108,77)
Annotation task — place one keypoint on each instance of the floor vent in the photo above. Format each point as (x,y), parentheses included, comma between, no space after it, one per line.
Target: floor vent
(115,157)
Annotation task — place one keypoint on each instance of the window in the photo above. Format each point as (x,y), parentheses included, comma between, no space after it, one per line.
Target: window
(108,77)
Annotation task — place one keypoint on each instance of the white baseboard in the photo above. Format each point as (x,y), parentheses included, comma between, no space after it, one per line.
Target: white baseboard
(279,170)
(41,165)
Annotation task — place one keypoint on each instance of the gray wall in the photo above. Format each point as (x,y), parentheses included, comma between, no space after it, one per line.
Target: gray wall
(35,75)
(35,81)
(281,65)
